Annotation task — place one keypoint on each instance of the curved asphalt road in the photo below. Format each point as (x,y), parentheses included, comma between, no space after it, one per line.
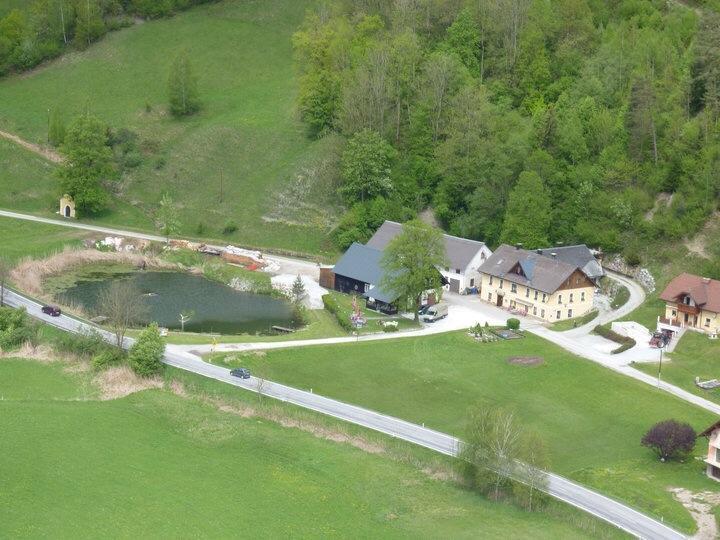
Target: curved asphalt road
(612,511)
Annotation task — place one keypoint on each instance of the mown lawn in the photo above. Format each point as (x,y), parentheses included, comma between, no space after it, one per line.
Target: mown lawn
(247,131)
(591,418)
(694,356)
(20,239)
(157,465)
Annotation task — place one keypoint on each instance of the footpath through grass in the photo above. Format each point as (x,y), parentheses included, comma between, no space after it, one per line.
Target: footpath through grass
(247,132)
(591,418)
(158,465)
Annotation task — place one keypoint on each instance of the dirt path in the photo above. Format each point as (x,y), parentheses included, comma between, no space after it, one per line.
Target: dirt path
(700,506)
(50,155)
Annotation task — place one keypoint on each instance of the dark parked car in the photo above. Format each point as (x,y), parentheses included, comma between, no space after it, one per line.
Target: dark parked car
(53,311)
(240,372)
(423,309)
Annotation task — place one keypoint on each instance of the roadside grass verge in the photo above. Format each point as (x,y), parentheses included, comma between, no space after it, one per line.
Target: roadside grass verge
(185,464)
(21,239)
(621,297)
(591,418)
(569,324)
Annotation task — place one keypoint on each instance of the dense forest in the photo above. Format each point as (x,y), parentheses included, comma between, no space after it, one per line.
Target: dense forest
(44,29)
(533,121)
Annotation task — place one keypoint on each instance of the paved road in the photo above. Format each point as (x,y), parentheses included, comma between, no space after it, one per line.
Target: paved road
(590,501)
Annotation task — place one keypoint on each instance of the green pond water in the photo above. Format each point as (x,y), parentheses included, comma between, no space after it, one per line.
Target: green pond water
(216,307)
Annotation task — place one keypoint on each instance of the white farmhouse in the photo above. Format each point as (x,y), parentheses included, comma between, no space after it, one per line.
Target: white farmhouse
(463,256)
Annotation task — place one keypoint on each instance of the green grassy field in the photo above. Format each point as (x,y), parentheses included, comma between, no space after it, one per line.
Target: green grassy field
(694,356)
(20,239)
(591,418)
(157,465)
(247,130)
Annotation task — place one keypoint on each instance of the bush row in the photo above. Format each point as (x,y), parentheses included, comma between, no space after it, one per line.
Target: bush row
(332,306)
(624,341)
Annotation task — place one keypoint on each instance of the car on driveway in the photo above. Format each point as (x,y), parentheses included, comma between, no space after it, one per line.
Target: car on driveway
(242,373)
(53,311)
(435,313)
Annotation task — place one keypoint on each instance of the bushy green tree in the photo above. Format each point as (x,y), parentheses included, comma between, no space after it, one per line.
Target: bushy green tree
(88,162)
(527,217)
(15,328)
(366,164)
(146,354)
(410,262)
(463,38)
(56,128)
(182,87)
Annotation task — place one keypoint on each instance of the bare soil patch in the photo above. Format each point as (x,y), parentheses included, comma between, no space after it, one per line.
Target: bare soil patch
(700,505)
(525,360)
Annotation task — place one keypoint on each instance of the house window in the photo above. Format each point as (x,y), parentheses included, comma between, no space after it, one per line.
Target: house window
(571,298)
(489,297)
(536,293)
(527,292)
(707,321)
(472,282)
(674,313)
(367,287)
(501,283)
(544,297)
(513,287)
(457,271)
(558,315)
(534,310)
(686,300)
(582,296)
(542,313)
(490,280)
(569,313)
(559,298)
(717,454)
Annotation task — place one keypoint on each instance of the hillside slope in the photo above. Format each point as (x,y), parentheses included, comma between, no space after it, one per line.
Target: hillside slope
(246,132)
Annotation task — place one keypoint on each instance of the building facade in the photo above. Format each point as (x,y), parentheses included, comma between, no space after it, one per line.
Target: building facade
(712,461)
(536,285)
(691,302)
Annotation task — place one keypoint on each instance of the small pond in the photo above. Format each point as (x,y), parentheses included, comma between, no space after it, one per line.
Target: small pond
(216,307)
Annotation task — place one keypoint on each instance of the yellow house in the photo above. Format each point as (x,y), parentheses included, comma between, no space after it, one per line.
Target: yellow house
(691,302)
(713,456)
(536,284)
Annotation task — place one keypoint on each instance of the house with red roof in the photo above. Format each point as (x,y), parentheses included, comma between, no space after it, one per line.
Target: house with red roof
(692,302)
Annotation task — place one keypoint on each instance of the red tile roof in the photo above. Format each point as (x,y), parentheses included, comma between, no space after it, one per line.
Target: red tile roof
(704,292)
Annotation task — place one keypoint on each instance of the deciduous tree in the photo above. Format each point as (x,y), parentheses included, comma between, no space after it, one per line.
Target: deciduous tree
(528,213)
(182,87)
(122,304)
(670,439)
(410,262)
(365,168)
(146,354)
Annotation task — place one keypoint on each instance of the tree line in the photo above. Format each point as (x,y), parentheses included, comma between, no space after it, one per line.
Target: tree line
(46,28)
(519,120)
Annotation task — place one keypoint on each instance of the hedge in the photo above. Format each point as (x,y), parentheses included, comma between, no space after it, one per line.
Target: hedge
(624,341)
(331,305)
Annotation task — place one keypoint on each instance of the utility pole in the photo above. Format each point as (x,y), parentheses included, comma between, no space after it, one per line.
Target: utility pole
(660,366)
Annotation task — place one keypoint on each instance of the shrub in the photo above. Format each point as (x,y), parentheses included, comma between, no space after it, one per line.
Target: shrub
(512,324)
(15,328)
(230,227)
(108,357)
(331,305)
(624,341)
(85,345)
(146,354)
(670,439)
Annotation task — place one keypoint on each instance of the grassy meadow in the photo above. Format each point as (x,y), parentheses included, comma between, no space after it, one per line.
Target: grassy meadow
(19,239)
(247,131)
(155,464)
(591,418)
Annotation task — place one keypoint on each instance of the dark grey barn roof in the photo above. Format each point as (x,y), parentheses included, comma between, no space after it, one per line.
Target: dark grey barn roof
(580,256)
(542,273)
(362,263)
(458,251)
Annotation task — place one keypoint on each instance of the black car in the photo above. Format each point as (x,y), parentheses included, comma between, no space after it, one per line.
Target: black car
(53,311)
(423,309)
(240,372)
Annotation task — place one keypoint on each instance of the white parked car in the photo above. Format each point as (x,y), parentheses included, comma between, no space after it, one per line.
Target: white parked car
(435,313)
